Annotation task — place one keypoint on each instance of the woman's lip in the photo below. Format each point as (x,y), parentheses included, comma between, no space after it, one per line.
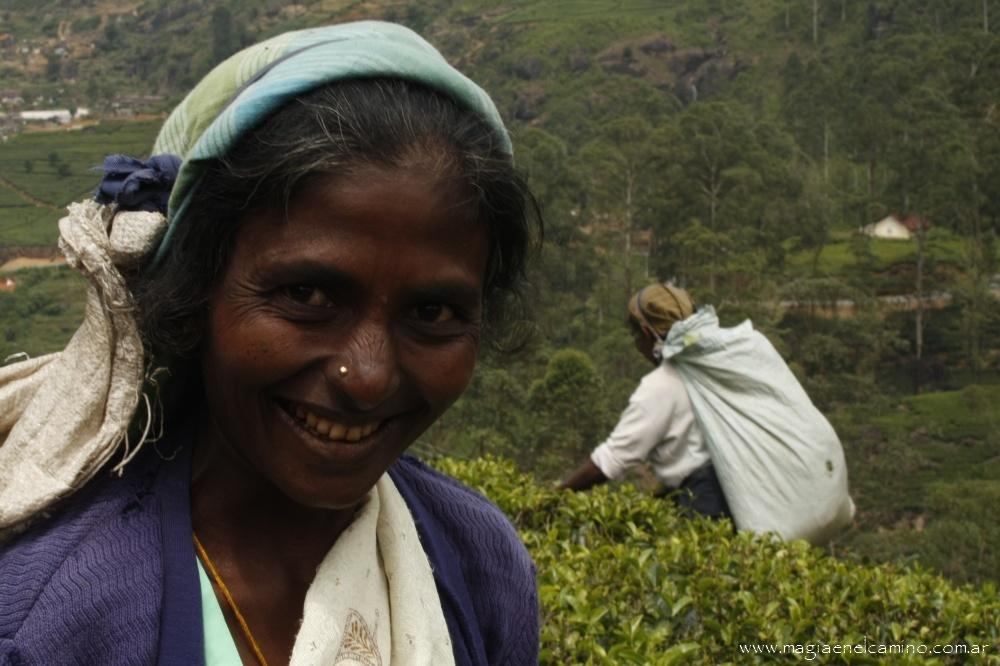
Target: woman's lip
(337,450)
(334,431)
(348,420)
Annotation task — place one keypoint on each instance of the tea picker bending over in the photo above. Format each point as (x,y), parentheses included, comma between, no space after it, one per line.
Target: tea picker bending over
(723,417)
(658,426)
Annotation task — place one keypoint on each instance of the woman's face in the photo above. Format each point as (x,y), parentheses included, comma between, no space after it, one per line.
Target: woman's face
(339,333)
(644,341)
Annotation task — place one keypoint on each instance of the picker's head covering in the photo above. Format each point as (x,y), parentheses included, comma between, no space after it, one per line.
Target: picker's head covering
(660,306)
(63,416)
(243,90)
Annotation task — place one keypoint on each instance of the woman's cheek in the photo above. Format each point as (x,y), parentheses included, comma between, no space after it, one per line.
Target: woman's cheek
(251,347)
(452,370)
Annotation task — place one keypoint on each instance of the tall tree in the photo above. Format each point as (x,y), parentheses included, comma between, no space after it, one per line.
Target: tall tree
(569,409)
(545,159)
(729,172)
(933,175)
(812,106)
(815,21)
(622,170)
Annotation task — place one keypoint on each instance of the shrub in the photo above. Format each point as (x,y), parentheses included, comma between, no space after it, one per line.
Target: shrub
(623,579)
(568,402)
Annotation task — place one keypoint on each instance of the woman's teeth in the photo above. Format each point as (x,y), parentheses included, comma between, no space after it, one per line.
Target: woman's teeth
(332,430)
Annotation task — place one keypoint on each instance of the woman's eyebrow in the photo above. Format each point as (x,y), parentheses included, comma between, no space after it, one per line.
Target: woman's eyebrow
(305,270)
(447,290)
(461,292)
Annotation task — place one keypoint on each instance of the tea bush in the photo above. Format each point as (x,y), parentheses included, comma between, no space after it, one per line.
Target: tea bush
(623,579)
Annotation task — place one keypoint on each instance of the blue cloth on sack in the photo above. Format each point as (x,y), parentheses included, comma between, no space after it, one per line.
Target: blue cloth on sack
(133,184)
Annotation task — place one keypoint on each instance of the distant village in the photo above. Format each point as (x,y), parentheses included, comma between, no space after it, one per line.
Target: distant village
(19,115)
(34,107)
(14,121)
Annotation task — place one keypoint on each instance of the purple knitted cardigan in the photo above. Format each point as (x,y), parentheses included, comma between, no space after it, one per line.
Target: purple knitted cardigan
(110,577)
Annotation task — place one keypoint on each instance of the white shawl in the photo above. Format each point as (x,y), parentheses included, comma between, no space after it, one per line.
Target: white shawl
(373,601)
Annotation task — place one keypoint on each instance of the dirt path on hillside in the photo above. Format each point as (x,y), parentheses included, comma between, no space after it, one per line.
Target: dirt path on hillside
(28,262)
(847,308)
(27,196)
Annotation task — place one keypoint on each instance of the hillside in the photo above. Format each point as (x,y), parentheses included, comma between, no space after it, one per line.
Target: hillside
(79,50)
(41,172)
(734,146)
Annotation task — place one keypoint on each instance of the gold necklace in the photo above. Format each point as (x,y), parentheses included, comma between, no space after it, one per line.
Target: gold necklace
(203,554)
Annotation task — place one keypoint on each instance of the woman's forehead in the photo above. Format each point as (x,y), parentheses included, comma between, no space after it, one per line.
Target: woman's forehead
(418,198)
(385,221)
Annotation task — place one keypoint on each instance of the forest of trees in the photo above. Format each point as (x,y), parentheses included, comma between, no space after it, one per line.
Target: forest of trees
(835,118)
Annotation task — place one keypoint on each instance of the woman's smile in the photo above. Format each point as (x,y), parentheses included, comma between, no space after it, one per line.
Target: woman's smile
(343,328)
(333,431)
(335,442)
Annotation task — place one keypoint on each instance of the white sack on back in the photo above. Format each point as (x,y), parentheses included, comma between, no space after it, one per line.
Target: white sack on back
(778,459)
(63,415)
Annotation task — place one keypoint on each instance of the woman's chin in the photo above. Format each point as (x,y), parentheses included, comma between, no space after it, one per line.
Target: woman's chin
(320,499)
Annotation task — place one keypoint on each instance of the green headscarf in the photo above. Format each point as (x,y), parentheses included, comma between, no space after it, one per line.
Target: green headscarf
(244,89)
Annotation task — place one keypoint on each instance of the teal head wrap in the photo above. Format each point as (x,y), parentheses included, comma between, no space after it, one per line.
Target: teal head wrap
(244,89)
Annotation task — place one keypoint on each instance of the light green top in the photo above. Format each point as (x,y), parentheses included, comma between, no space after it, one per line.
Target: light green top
(220,648)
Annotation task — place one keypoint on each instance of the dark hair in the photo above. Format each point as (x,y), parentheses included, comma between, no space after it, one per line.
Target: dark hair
(332,131)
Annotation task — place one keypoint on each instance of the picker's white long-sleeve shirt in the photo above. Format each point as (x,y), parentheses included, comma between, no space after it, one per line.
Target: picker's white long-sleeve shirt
(658,426)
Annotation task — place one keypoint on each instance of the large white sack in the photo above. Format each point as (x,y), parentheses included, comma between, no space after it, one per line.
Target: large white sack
(63,415)
(778,459)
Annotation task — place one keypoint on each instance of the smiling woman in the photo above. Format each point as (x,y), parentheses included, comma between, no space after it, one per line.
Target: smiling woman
(354,276)
(343,231)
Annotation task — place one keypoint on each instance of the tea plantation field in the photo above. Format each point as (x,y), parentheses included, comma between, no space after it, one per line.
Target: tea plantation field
(42,313)
(624,580)
(41,172)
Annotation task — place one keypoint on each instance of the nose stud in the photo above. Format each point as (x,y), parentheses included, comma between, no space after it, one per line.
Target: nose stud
(342,371)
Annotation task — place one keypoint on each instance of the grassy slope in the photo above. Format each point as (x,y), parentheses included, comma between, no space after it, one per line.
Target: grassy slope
(23,222)
(42,313)
(925,474)
(838,258)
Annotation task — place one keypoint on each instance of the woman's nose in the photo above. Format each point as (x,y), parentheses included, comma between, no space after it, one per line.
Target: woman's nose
(365,369)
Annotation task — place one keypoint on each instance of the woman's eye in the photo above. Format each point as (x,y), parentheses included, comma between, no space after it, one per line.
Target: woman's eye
(307,295)
(434,313)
